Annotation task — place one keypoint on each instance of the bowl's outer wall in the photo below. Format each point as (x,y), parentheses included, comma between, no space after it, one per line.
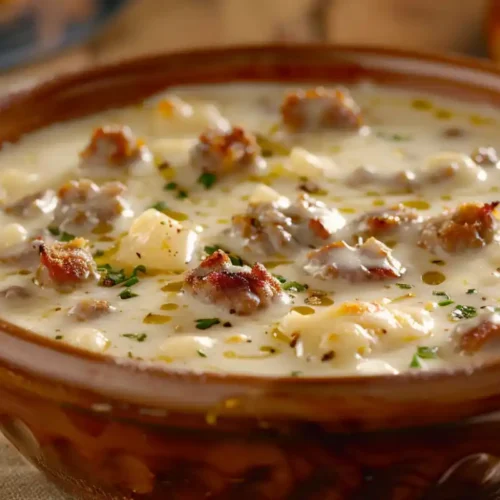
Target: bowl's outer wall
(102,427)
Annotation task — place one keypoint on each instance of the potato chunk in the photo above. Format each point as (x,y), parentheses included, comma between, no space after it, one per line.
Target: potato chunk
(157,242)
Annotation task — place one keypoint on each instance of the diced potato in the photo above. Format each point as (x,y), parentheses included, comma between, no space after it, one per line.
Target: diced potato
(158,242)
(456,167)
(186,346)
(305,164)
(12,235)
(15,184)
(173,113)
(265,194)
(87,338)
(353,329)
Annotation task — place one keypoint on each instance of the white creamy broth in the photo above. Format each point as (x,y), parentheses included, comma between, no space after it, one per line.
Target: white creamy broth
(332,318)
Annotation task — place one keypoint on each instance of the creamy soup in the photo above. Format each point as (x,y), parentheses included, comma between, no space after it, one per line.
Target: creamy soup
(261,229)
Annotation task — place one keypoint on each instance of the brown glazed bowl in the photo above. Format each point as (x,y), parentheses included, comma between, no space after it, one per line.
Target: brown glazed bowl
(115,429)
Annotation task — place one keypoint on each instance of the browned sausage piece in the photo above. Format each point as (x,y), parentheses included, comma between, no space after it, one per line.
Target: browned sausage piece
(113,146)
(89,309)
(320,108)
(369,261)
(221,152)
(473,335)
(64,264)
(385,222)
(84,203)
(238,289)
(470,226)
(33,205)
(270,228)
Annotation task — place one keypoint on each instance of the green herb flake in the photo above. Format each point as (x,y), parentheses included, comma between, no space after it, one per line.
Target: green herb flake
(66,236)
(235,259)
(139,337)
(201,353)
(471,291)
(209,250)
(444,303)
(294,286)
(404,286)
(208,180)
(182,195)
(99,253)
(127,294)
(280,278)
(296,373)
(54,231)
(426,352)
(59,337)
(463,312)
(205,323)
(131,281)
(171,186)
(441,294)
(415,362)
(161,206)
(438,262)
(393,137)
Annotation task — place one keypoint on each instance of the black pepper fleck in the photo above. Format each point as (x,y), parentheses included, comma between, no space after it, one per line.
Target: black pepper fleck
(328,356)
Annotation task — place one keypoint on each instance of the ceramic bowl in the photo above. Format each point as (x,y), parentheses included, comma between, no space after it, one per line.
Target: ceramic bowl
(108,429)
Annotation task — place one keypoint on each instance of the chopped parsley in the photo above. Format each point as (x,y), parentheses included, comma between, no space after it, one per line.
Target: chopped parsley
(235,260)
(99,253)
(201,353)
(59,337)
(111,277)
(205,323)
(415,362)
(171,186)
(295,373)
(140,337)
(160,206)
(463,312)
(208,180)
(127,294)
(294,286)
(471,291)
(280,278)
(441,294)
(64,236)
(393,137)
(447,302)
(426,352)
(438,262)
(404,286)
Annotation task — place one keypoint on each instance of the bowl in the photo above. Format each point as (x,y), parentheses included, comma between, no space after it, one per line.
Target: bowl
(104,428)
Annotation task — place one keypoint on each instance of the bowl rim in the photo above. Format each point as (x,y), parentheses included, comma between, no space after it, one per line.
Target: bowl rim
(104,367)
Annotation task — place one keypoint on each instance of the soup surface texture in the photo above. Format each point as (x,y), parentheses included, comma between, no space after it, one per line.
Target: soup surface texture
(261,229)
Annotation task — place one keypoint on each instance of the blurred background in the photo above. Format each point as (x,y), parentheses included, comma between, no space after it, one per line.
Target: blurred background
(39,38)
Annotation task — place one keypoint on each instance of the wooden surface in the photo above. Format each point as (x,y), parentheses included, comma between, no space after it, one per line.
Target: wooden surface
(148,26)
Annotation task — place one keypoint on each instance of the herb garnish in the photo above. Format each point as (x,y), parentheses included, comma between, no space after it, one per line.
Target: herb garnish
(127,294)
(426,352)
(160,206)
(447,302)
(280,278)
(171,186)
(140,337)
(201,353)
(404,286)
(294,286)
(415,362)
(204,324)
(112,277)
(471,291)
(441,294)
(463,312)
(64,236)
(438,262)
(393,137)
(59,337)
(295,373)
(207,180)
(235,260)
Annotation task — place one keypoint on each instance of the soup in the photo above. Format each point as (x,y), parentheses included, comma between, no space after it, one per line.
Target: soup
(260,229)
